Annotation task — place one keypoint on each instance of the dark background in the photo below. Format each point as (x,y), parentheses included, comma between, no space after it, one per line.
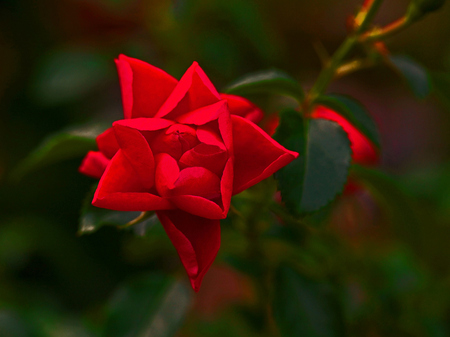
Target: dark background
(57,69)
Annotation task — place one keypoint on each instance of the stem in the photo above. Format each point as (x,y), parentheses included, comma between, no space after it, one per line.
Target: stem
(352,66)
(391,29)
(370,13)
(327,74)
(143,216)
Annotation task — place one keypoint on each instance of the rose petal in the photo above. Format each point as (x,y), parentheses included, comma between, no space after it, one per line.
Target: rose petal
(193,91)
(199,206)
(197,181)
(135,147)
(144,87)
(241,106)
(93,164)
(364,151)
(257,156)
(207,156)
(166,174)
(174,141)
(196,239)
(204,114)
(145,124)
(226,185)
(120,189)
(107,143)
(210,134)
(226,131)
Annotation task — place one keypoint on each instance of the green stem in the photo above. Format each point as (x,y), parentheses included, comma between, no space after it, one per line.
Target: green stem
(328,73)
(385,32)
(370,15)
(142,217)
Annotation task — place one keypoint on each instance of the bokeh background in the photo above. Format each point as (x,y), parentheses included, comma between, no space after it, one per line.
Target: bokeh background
(57,70)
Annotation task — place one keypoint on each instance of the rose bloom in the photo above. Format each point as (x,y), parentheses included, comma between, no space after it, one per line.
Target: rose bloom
(181,150)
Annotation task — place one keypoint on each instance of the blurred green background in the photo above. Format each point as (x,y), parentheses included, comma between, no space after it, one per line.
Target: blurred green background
(57,70)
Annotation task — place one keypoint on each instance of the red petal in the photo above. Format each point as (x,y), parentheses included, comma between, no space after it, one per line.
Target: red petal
(166,174)
(193,91)
(197,181)
(199,206)
(107,143)
(209,134)
(204,114)
(196,239)
(226,131)
(144,87)
(94,164)
(121,190)
(257,156)
(226,185)
(135,147)
(241,106)
(207,156)
(145,124)
(364,151)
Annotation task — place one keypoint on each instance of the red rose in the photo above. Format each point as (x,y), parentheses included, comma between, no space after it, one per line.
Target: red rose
(182,150)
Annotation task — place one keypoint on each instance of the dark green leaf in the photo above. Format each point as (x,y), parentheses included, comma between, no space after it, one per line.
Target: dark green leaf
(60,146)
(441,86)
(13,326)
(393,198)
(304,307)
(320,172)
(268,81)
(154,305)
(93,218)
(69,74)
(415,75)
(355,113)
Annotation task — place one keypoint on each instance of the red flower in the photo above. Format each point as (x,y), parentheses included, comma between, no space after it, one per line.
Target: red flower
(182,150)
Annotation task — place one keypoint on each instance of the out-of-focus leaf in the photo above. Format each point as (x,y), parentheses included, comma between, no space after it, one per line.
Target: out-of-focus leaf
(415,74)
(355,113)
(154,305)
(68,75)
(393,198)
(320,172)
(441,86)
(229,323)
(267,81)
(93,218)
(67,144)
(13,326)
(303,307)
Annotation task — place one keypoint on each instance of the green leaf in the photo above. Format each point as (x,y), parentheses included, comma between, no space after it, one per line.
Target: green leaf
(394,199)
(153,305)
(11,325)
(68,144)
(304,307)
(441,86)
(355,113)
(66,75)
(93,218)
(416,75)
(267,81)
(320,172)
